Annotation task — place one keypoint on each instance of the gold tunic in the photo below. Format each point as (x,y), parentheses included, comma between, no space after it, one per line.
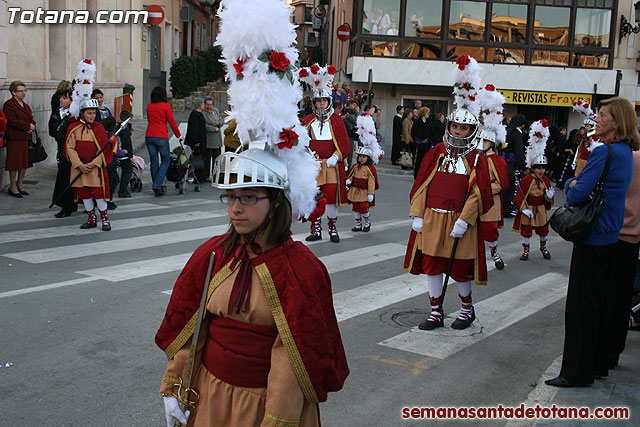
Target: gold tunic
(539,212)
(222,404)
(360,194)
(93,178)
(494,214)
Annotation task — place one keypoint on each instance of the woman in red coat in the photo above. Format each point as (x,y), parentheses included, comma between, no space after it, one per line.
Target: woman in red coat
(20,127)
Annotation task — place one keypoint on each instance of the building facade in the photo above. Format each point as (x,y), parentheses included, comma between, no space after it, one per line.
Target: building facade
(543,54)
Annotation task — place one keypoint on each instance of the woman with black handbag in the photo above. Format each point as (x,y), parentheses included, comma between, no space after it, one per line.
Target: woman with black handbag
(592,261)
(20,128)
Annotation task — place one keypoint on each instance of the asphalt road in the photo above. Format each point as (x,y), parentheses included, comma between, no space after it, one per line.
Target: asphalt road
(79,310)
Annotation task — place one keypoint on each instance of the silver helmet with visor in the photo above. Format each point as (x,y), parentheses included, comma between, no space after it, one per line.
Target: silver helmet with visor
(463,145)
(322,113)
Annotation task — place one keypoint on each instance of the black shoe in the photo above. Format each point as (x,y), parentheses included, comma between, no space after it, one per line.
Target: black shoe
(111,206)
(124,195)
(18,195)
(464,324)
(313,237)
(335,238)
(106,227)
(356,229)
(158,192)
(561,382)
(24,193)
(63,214)
(86,226)
(366,229)
(508,215)
(499,264)
(428,325)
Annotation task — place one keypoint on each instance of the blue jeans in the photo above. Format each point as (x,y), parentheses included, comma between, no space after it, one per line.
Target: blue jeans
(158,146)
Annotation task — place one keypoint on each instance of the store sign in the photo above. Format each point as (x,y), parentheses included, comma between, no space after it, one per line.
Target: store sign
(557,99)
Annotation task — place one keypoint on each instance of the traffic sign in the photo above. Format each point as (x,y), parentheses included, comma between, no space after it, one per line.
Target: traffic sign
(156,14)
(344,32)
(320,12)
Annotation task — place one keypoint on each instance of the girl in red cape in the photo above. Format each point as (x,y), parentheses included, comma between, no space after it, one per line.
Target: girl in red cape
(85,137)
(270,347)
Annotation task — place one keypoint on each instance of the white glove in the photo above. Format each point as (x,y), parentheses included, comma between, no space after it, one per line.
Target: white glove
(369,198)
(348,182)
(550,193)
(459,228)
(346,168)
(332,161)
(528,213)
(417,224)
(172,412)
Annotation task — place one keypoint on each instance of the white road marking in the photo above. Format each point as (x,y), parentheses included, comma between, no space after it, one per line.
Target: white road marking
(47,287)
(124,224)
(530,297)
(138,269)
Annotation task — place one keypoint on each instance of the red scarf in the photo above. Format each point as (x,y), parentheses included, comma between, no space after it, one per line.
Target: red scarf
(241,291)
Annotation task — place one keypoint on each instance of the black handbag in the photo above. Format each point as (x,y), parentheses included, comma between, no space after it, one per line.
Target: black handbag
(37,153)
(574,223)
(196,161)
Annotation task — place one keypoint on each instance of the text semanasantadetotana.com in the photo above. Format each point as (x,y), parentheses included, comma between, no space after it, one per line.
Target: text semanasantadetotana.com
(518,412)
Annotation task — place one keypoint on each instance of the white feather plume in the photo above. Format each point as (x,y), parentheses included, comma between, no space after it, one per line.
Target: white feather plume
(264,100)
(83,87)
(538,135)
(585,109)
(491,103)
(367,134)
(321,79)
(466,84)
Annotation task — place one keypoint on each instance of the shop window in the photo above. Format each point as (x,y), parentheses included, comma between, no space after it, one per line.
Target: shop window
(421,50)
(593,27)
(423,19)
(380,48)
(550,57)
(555,2)
(590,60)
(466,20)
(453,51)
(308,15)
(381,17)
(505,55)
(509,23)
(595,3)
(551,25)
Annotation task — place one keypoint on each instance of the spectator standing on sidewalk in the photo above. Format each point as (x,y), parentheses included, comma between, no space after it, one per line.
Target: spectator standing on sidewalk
(3,127)
(515,160)
(103,111)
(20,128)
(593,263)
(66,202)
(213,123)
(55,106)
(197,133)
(159,113)
(397,134)
(125,161)
(421,134)
(407,140)
(350,116)
(437,129)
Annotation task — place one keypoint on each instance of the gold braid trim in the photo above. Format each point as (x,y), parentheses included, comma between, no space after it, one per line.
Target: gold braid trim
(413,251)
(187,331)
(493,169)
(171,380)
(280,421)
(285,334)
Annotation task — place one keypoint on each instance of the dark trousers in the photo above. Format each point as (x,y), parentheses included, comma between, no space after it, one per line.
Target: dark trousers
(587,301)
(421,150)
(395,149)
(507,196)
(620,294)
(114,179)
(209,155)
(62,181)
(125,176)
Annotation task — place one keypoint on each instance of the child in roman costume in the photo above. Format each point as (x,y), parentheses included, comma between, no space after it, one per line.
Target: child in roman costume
(534,196)
(85,137)
(588,141)
(363,177)
(331,144)
(492,136)
(270,347)
(452,190)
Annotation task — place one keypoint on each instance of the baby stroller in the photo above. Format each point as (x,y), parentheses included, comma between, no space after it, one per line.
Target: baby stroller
(181,167)
(137,169)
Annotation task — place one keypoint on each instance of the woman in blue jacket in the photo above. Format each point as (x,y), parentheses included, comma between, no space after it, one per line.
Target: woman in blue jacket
(592,263)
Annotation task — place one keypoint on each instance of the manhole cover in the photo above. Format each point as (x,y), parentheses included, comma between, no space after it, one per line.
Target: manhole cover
(412,318)
(409,319)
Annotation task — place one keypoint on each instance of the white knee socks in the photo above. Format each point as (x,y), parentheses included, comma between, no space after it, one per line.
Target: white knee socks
(102,205)
(88,204)
(332,211)
(464,288)
(435,283)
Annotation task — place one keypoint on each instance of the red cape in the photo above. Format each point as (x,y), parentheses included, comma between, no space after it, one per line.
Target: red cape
(499,166)
(298,290)
(373,172)
(523,193)
(100,136)
(341,144)
(482,189)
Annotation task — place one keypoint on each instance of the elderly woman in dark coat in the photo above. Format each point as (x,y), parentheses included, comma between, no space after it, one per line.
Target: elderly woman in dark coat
(20,127)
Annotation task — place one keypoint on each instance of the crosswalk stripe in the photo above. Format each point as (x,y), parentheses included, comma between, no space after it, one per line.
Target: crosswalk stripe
(48,286)
(122,208)
(124,224)
(138,269)
(60,253)
(525,299)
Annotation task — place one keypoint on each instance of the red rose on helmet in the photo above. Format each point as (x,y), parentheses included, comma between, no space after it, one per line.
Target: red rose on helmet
(586,105)
(279,61)
(303,72)
(538,134)
(490,87)
(462,61)
(472,98)
(87,61)
(288,138)
(331,69)
(315,68)
(239,66)
(545,123)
